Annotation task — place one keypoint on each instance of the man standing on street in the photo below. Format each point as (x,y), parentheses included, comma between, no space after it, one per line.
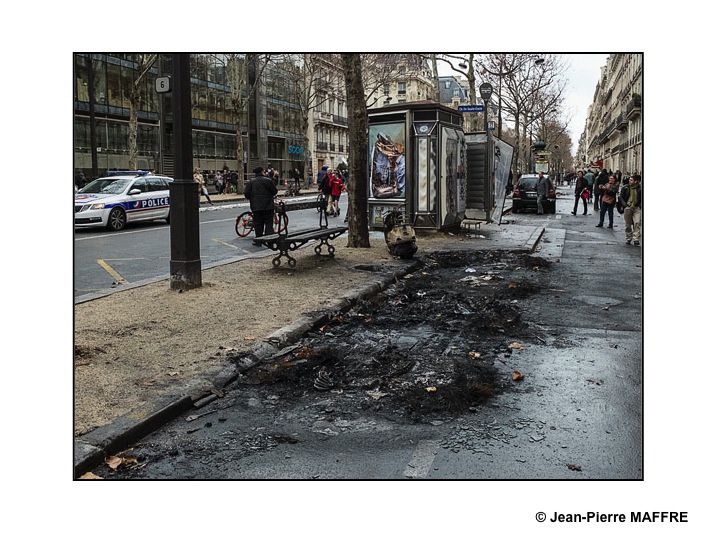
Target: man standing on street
(631,201)
(543,187)
(580,185)
(608,194)
(589,179)
(261,191)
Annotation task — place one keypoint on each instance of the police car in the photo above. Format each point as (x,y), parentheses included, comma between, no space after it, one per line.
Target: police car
(113,202)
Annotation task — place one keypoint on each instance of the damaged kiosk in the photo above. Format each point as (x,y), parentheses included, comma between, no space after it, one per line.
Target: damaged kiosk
(416,160)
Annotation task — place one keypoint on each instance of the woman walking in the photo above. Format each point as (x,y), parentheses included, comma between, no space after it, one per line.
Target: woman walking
(200,181)
(608,196)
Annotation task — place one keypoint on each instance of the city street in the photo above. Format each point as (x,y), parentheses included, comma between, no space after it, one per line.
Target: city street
(115,260)
(422,382)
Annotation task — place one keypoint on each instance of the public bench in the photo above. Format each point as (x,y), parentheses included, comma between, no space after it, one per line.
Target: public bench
(290,241)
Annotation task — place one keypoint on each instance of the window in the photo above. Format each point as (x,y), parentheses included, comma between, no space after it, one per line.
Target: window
(81,79)
(140,184)
(402,88)
(456,92)
(447,84)
(156,184)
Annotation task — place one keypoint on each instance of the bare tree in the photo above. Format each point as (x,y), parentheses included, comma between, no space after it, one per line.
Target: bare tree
(143,63)
(358,234)
(378,70)
(314,79)
(241,88)
(466,67)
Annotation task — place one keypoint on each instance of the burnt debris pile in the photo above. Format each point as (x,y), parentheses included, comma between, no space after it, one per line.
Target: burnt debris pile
(425,347)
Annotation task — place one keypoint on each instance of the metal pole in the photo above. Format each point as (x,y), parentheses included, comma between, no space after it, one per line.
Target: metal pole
(185,270)
(488,157)
(91,99)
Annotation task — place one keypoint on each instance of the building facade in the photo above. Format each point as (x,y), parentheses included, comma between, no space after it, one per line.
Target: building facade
(613,128)
(327,121)
(411,80)
(275,139)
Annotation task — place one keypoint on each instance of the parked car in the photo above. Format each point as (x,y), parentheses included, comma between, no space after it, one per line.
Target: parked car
(525,195)
(113,202)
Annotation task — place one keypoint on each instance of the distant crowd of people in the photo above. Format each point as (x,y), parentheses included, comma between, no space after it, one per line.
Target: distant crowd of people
(607,192)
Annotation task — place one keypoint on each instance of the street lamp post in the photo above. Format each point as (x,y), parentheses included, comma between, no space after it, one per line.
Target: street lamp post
(185,272)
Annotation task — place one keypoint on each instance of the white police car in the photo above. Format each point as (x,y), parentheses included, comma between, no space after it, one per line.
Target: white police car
(113,202)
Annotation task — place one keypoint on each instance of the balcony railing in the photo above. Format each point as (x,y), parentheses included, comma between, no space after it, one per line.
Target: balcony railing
(341,148)
(621,122)
(332,147)
(322,146)
(634,108)
(330,118)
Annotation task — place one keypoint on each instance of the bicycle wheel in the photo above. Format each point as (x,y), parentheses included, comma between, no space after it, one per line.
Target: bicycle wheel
(280,223)
(244,224)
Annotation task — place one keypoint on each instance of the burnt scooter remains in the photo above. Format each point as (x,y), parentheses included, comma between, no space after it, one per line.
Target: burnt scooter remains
(399,236)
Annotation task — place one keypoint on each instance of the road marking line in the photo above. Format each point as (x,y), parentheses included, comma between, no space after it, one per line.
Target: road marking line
(127,259)
(110,270)
(225,243)
(422,459)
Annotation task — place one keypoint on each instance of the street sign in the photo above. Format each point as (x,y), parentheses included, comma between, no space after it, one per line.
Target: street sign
(491,125)
(471,108)
(162,85)
(486,91)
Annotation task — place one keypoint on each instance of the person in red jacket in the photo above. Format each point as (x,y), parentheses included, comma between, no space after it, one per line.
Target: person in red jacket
(336,189)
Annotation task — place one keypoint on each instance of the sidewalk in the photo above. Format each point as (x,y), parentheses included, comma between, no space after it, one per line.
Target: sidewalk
(136,369)
(239,197)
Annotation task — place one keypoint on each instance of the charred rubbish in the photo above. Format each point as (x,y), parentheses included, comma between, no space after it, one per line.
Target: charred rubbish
(426,348)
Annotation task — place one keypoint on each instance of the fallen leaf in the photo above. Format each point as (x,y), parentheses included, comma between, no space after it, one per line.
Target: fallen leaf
(574,467)
(249,338)
(113,462)
(173,373)
(431,389)
(90,476)
(473,354)
(516,345)
(517,376)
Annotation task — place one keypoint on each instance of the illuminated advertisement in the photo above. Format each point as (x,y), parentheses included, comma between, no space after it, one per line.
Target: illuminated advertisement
(387,161)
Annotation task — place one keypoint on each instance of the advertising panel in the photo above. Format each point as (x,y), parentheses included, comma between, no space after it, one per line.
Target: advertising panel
(387,160)
(503,162)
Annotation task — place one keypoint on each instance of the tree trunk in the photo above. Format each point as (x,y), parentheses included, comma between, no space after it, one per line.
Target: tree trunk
(306,140)
(358,234)
(132,132)
(239,157)
(435,78)
(473,92)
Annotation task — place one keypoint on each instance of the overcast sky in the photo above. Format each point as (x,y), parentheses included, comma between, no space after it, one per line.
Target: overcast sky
(583,74)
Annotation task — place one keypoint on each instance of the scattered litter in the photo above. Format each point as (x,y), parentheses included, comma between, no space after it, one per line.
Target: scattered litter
(470,270)
(574,467)
(323,381)
(606,308)
(173,373)
(516,345)
(90,476)
(517,376)
(249,338)
(637,296)
(473,354)
(593,381)
(431,389)
(376,394)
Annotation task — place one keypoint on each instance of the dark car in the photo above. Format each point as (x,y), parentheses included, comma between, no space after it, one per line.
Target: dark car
(525,195)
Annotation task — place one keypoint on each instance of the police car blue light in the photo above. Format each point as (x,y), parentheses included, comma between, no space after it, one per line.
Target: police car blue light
(113,202)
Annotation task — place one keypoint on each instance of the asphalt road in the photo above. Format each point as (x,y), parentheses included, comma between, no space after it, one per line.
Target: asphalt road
(576,415)
(107,260)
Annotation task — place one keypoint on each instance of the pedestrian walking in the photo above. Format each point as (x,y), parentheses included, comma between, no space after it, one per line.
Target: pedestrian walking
(336,188)
(589,179)
(630,201)
(220,184)
(320,175)
(600,180)
(580,189)
(200,181)
(261,191)
(608,195)
(543,187)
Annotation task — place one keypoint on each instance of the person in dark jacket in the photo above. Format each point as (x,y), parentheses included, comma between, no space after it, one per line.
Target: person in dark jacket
(608,194)
(631,202)
(543,188)
(600,179)
(322,182)
(261,191)
(580,185)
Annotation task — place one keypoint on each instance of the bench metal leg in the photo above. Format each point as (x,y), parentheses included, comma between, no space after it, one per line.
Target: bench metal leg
(325,242)
(277,260)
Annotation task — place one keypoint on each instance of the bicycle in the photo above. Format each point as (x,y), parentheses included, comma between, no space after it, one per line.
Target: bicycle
(244,222)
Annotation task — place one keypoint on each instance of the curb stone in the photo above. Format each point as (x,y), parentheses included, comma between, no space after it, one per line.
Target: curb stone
(534,239)
(91,448)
